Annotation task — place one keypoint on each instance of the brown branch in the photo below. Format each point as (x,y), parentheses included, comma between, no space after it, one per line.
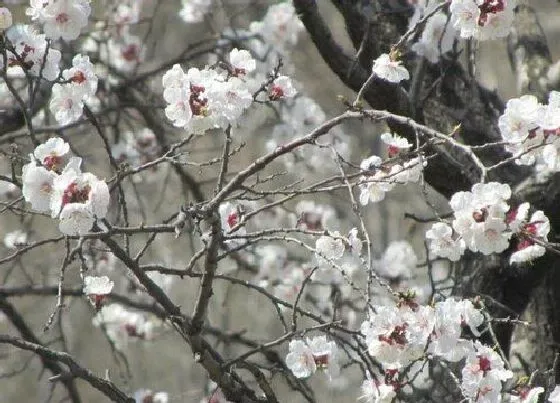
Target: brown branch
(27,334)
(75,370)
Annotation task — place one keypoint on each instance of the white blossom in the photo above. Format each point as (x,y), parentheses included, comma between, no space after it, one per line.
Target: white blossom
(242,62)
(300,359)
(442,244)
(65,18)
(390,70)
(97,285)
(398,261)
(281,87)
(395,143)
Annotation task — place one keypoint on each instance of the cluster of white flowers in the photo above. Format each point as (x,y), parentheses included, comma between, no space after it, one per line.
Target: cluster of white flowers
(532,131)
(483,374)
(199,100)
(378,179)
(31,54)
(484,222)
(398,335)
(306,357)
(67,101)
(53,182)
(123,325)
(60,18)
(482,19)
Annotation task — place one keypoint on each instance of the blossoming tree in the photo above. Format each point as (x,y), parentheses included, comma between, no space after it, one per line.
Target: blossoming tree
(130,209)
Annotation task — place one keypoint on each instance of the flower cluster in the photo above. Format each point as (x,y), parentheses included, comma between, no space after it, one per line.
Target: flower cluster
(60,18)
(67,101)
(306,357)
(532,131)
(482,19)
(53,182)
(483,374)
(398,336)
(199,100)
(484,222)
(30,54)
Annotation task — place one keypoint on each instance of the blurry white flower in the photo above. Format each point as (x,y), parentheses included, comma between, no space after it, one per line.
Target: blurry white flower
(194,10)
(331,247)
(398,261)
(300,359)
(15,239)
(5,18)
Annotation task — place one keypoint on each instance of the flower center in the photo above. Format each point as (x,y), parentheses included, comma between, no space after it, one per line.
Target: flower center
(78,77)
(489,7)
(62,18)
(484,364)
(480,215)
(73,194)
(397,336)
(276,92)
(130,53)
(52,162)
(232,219)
